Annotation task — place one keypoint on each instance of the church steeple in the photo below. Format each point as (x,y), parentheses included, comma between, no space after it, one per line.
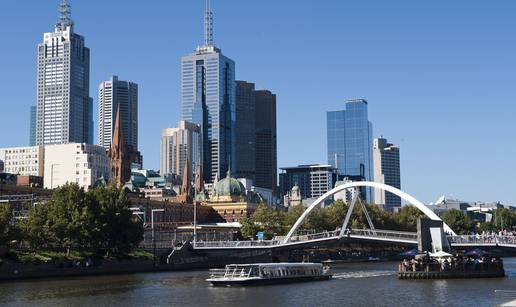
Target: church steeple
(186,186)
(120,158)
(117,144)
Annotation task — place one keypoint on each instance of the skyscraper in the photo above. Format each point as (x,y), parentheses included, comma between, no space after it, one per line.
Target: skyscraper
(179,145)
(208,100)
(32,136)
(266,140)
(63,85)
(245,130)
(91,124)
(349,134)
(386,159)
(116,93)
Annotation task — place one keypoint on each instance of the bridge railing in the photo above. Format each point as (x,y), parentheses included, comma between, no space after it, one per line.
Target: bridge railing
(230,244)
(315,236)
(482,239)
(368,233)
(387,234)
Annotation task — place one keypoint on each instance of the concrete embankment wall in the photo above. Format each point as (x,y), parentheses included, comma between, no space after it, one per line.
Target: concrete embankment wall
(12,271)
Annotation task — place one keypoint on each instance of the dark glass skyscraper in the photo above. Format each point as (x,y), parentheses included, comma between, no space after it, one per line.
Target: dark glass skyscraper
(245,130)
(266,140)
(208,100)
(350,141)
(386,159)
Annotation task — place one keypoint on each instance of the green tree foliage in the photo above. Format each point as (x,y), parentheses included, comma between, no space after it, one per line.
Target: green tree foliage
(35,228)
(504,218)
(269,221)
(6,227)
(67,212)
(487,227)
(99,220)
(407,218)
(329,218)
(114,228)
(458,221)
(249,228)
(292,216)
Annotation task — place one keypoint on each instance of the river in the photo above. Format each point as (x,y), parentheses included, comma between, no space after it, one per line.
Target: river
(357,284)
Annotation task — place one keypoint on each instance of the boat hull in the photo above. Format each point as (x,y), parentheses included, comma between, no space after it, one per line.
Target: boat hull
(450,275)
(266,281)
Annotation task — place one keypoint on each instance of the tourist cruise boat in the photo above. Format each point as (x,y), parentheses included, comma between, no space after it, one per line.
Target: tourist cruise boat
(268,273)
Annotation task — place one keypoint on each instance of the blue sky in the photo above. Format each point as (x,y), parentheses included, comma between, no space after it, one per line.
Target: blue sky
(439,75)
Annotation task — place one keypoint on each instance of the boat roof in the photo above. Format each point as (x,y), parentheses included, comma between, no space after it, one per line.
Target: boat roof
(302,264)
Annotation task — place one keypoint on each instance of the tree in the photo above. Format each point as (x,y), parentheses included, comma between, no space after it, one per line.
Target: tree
(407,218)
(486,226)
(504,218)
(291,217)
(270,222)
(335,214)
(35,228)
(6,227)
(66,216)
(458,221)
(115,228)
(249,228)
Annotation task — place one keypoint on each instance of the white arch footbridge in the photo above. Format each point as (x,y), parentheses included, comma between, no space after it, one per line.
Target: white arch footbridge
(372,234)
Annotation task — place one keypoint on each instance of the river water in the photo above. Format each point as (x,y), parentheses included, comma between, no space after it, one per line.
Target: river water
(357,284)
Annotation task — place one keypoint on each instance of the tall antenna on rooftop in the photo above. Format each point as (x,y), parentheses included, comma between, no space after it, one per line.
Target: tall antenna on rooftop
(208,25)
(65,15)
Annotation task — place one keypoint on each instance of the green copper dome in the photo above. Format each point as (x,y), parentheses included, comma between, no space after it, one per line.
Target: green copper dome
(229,187)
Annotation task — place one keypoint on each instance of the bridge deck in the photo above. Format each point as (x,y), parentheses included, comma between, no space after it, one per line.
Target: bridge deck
(360,234)
(373,235)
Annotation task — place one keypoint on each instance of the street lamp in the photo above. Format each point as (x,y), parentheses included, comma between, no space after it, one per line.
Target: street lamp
(152,227)
(195,224)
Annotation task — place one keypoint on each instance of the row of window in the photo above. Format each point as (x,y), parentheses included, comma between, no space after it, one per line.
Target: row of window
(23,162)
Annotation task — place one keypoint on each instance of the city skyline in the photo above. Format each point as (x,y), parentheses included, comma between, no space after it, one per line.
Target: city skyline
(439,135)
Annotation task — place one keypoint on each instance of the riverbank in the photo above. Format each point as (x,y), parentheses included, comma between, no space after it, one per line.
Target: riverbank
(17,271)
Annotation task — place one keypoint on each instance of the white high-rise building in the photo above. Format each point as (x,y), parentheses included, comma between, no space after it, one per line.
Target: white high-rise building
(178,145)
(116,93)
(25,161)
(64,107)
(386,159)
(79,163)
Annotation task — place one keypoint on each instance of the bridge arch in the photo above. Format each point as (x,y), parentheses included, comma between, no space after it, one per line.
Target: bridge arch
(429,213)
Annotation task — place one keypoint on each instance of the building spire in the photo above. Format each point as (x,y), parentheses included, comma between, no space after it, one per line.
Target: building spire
(117,144)
(208,25)
(65,16)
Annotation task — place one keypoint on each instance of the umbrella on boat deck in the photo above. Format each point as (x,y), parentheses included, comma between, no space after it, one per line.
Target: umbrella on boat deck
(477,252)
(410,253)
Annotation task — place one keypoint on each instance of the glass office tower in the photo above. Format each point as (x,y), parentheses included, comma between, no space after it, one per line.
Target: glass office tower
(350,141)
(63,108)
(208,100)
